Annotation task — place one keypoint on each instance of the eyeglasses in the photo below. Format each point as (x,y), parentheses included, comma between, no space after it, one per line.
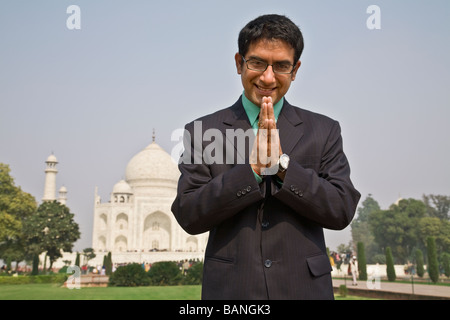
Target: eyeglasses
(261,66)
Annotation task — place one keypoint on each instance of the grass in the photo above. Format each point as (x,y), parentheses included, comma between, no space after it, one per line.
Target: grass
(339,297)
(56,292)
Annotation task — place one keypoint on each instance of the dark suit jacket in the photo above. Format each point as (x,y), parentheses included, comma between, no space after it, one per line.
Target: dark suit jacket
(266,241)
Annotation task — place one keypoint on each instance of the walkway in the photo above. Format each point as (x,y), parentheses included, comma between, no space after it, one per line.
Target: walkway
(395,290)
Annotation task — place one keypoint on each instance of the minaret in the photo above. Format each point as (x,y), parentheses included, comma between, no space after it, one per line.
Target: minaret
(50,179)
(62,195)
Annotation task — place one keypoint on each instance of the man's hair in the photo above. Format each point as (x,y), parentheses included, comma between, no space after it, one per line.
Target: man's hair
(271,27)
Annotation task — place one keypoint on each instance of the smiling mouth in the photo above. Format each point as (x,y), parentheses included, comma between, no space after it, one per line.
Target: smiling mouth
(265,90)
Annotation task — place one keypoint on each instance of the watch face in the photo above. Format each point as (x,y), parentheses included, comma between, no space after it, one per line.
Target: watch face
(284,161)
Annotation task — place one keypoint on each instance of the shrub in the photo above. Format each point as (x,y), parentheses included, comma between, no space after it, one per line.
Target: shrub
(390,270)
(446,264)
(54,278)
(131,275)
(362,266)
(379,258)
(419,263)
(63,269)
(343,291)
(194,275)
(433,267)
(35,270)
(164,273)
(108,264)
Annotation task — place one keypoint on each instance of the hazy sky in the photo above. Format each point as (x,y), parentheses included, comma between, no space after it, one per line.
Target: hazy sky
(93,96)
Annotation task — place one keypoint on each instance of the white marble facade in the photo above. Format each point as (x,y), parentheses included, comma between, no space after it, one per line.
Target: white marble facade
(137,218)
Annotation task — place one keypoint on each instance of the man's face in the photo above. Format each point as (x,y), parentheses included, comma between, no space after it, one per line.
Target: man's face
(266,84)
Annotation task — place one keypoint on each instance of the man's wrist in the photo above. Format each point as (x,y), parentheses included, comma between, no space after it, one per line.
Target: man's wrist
(283,163)
(257,175)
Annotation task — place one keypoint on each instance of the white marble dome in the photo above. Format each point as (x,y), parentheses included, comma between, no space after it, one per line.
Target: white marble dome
(51,158)
(122,187)
(151,164)
(137,224)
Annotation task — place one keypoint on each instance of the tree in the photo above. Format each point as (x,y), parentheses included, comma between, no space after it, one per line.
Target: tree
(131,275)
(35,269)
(360,227)
(51,230)
(12,199)
(194,274)
(88,254)
(108,264)
(437,228)
(77,259)
(433,265)
(343,248)
(15,206)
(437,206)
(390,270)
(398,227)
(164,273)
(10,227)
(419,263)
(361,256)
(446,264)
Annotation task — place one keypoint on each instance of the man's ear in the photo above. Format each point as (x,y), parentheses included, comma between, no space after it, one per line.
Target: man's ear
(239,62)
(294,73)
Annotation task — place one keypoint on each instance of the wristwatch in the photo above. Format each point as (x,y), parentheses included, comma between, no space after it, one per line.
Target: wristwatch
(283,163)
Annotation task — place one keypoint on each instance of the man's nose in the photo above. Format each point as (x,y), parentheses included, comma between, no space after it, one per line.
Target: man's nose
(268,76)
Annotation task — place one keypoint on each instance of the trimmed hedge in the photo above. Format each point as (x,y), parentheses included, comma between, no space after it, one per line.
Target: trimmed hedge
(132,275)
(390,270)
(53,278)
(164,273)
(362,265)
(433,264)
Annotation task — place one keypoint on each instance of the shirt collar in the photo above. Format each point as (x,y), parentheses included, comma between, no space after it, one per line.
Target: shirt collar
(253,110)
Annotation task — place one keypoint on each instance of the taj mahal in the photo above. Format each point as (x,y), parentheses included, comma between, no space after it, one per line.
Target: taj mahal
(136,223)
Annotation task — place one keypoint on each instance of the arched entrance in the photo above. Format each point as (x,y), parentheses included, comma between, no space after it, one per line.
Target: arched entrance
(156,232)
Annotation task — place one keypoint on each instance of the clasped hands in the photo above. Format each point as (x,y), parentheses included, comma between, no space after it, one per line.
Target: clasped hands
(266,149)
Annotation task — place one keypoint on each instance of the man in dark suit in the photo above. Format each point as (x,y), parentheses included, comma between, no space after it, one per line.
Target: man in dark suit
(265,205)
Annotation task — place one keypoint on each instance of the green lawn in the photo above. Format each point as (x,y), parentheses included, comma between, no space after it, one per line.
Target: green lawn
(56,292)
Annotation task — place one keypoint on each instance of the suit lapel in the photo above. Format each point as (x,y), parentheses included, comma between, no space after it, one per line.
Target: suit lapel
(235,120)
(289,125)
(290,128)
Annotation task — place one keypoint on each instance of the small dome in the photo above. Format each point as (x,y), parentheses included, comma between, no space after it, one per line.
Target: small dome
(51,158)
(152,163)
(122,187)
(63,189)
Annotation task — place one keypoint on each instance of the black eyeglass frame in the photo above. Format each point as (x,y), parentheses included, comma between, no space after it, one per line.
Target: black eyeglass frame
(267,65)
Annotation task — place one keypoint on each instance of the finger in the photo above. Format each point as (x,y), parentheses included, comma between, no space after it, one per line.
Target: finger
(269,137)
(262,124)
(270,111)
(274,142)
(267,99)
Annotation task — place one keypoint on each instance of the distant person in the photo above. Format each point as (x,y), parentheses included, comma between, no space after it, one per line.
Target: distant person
(354,270)
(265,206)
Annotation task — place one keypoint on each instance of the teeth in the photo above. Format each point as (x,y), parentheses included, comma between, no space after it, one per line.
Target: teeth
(265,89)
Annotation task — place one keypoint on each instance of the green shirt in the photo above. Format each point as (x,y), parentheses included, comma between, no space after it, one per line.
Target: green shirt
(252,111)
